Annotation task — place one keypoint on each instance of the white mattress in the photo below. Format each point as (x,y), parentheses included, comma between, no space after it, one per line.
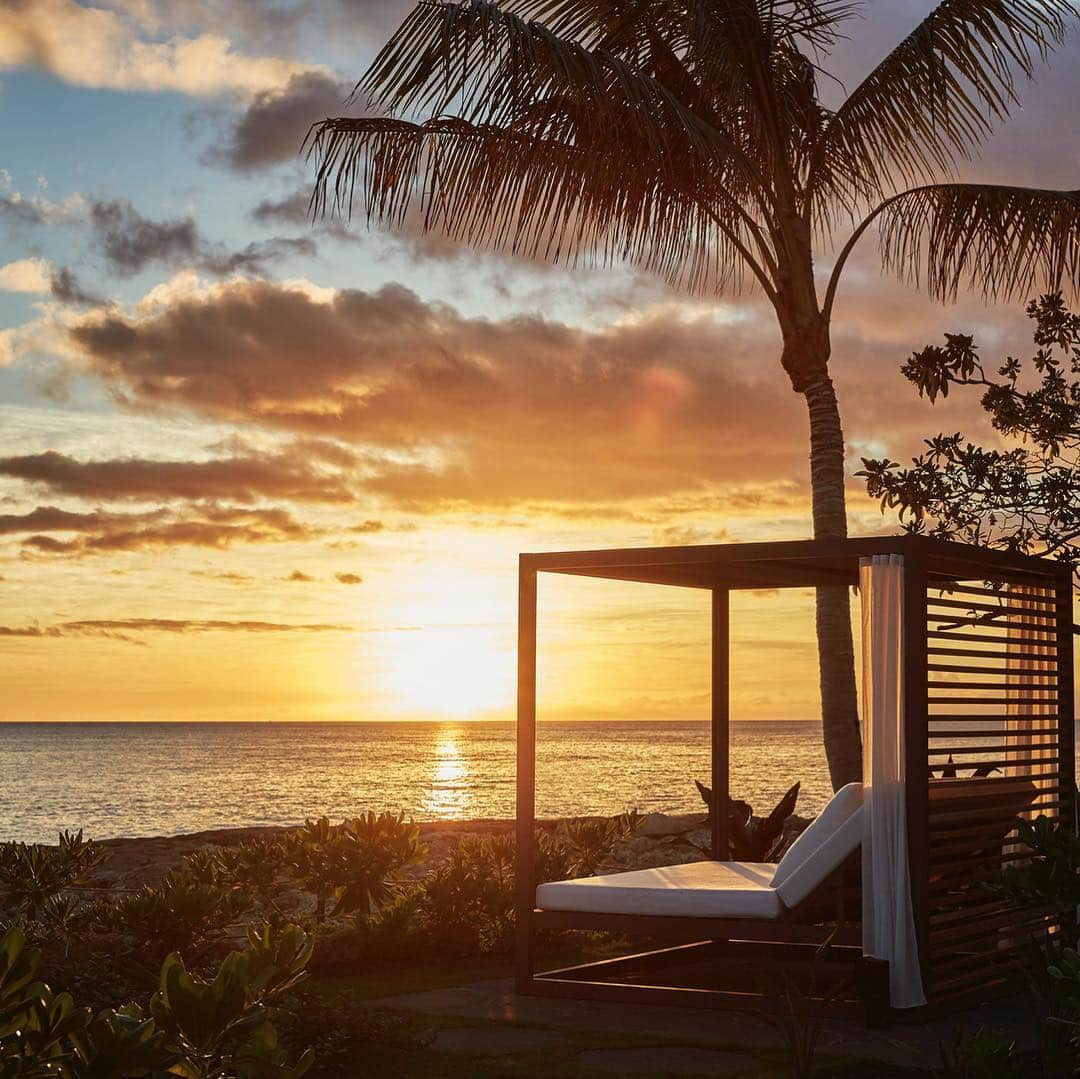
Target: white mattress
(696,890)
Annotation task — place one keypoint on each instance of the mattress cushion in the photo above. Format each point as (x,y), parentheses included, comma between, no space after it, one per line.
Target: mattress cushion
(694,890)
(841,807)
(811,873)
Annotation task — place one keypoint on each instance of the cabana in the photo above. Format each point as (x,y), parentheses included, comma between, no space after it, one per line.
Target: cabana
(967,717)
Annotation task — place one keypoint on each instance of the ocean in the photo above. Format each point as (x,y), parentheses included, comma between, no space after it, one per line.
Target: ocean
(146,779)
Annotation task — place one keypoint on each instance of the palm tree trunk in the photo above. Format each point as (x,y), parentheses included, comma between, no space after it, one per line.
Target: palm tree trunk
(836,652)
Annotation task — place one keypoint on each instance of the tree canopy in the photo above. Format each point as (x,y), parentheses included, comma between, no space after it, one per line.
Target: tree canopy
(1022,494)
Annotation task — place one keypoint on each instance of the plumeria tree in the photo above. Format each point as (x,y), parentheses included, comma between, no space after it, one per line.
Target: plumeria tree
(1022,494)
(691,138)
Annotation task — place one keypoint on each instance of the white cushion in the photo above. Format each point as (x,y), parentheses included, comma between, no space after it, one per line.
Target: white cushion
(829,855)
(694,890)
(840,808)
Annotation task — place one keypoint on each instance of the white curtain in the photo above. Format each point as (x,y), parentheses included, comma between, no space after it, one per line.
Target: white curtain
(888,924)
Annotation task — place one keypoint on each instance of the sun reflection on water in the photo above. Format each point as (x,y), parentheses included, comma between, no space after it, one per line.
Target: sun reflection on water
(449,791)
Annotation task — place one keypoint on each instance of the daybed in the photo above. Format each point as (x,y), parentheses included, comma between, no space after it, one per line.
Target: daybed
(967,723)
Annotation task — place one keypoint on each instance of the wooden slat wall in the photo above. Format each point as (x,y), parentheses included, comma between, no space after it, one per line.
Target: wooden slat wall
(993,702)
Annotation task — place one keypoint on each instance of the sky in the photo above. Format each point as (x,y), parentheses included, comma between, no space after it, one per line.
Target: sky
(258,468)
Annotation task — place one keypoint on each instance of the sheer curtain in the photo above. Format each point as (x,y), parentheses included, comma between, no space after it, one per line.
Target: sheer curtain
(888,924)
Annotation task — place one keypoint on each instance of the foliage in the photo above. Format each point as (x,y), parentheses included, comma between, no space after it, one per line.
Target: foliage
(982,1054)
(692,139)
(795,1011)
(353,864)
(750,838)
(33,876)
(198,1029)
(1051,876)
(588,842)
(340,1031)
(220,1026)
(178,915)
(465,904)
(1025,497)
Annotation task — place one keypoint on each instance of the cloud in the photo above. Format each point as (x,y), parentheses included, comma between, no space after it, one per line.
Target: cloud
(349,578)
(16,208)
(65,287)
(258,256)
(450,407)
(286,475)
(131,242)
(123,628)
(671,400)
(299,576)
(274,123)
(98,532)
(229,576)
(107,49)
(26,275)
(26,211)
(289,209)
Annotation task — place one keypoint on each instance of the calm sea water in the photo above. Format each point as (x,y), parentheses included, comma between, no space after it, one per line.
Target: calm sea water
(113,779)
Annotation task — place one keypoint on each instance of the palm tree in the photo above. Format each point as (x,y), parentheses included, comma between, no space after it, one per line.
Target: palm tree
(689,138)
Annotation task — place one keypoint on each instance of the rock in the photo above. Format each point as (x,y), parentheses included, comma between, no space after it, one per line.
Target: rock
(661,824)
(700,837)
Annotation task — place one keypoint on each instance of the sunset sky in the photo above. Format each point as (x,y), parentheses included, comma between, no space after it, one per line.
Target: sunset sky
(252,468)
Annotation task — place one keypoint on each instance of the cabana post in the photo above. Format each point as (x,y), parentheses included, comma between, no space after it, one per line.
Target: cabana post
(984,645)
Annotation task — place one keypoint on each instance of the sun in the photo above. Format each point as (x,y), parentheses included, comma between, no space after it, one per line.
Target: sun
(452,672)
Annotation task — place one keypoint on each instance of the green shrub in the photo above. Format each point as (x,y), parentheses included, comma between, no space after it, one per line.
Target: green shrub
(32,875)
(196,1028)
(178,915)
(352,865)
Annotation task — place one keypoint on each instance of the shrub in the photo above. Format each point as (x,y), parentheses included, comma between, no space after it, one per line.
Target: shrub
(178,915)
(194,1027)
(353,864)
(32,874)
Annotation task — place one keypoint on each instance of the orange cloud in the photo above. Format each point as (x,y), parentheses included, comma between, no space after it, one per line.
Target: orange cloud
(297,473)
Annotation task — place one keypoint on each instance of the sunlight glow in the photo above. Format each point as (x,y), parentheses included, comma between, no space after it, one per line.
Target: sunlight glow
(449,781)
(448,672)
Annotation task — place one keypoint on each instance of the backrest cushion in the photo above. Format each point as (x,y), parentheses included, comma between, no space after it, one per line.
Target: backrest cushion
(830,855)
(840,808)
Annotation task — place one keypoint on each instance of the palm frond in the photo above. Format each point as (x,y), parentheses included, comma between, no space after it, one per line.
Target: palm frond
(491,67)
(534,197)
(1007,242)
(937,95)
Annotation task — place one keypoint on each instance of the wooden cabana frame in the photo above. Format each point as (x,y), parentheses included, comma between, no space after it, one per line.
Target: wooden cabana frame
(957,601)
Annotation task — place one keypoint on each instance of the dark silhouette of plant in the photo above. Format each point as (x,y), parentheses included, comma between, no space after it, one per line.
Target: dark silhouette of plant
(32,874)
(257,867)
(178,915)
(750,838)
(690,138)
(1051,875)
(984,1053)
(468,899)
(353,864)
(1025,497)
(589,840)
(796,1009)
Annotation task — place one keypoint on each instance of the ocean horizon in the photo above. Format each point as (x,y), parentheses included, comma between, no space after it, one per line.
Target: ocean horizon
(169,777)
